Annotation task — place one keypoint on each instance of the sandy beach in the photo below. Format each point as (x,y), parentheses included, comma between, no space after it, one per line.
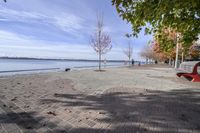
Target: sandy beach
(128,99)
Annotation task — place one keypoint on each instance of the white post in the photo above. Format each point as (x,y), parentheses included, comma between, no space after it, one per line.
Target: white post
(169,61)
(182,57)
(177,48)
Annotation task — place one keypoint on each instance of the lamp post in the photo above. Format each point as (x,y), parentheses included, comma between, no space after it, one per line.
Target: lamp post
(177,49)
(182,56)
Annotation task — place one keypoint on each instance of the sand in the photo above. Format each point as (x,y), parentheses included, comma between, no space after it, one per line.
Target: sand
(134,99)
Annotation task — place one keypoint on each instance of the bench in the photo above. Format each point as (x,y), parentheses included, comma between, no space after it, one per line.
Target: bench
(190,69)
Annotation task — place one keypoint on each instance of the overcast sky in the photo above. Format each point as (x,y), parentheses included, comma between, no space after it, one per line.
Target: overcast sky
(61,29)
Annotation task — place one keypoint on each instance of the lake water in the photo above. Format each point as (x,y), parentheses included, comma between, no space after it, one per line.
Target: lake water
(18,66)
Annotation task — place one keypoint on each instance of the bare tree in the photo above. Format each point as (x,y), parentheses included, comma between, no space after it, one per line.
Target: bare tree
(129,51)
(100,41)
(148,53)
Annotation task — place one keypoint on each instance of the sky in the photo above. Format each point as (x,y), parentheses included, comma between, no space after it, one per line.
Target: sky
(62,29)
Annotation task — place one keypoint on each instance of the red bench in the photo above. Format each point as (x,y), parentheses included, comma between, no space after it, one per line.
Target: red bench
(190,69)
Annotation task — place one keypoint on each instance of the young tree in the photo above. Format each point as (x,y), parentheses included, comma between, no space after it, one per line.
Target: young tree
(129,51)
(100,41)
(147,53)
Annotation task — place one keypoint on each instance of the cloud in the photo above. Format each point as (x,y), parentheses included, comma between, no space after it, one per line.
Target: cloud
(7,38)
(60,29)
(66,22)
(21,16)
(16,45)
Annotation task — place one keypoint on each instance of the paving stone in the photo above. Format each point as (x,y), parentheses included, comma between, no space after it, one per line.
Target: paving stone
(11,128)
(2,130)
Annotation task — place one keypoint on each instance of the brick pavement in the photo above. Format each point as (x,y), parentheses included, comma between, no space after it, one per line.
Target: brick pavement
(29,105)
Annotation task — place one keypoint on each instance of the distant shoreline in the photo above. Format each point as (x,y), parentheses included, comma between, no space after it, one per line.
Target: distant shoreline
(27,58)
(11,71)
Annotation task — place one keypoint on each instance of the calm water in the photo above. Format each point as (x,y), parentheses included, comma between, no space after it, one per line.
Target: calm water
(17,66)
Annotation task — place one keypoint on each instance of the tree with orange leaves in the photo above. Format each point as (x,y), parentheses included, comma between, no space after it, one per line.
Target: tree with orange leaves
(194,51)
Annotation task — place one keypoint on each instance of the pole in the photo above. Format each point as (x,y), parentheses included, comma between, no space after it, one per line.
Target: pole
(182,57)
(177,48)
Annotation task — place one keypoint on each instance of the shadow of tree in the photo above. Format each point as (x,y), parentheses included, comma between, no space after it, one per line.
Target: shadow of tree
(29,122)
(121,110)
(147,111)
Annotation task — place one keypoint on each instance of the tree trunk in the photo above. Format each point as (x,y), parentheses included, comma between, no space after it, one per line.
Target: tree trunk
(182,57)
(170,61)
(99,60)
(174,63)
